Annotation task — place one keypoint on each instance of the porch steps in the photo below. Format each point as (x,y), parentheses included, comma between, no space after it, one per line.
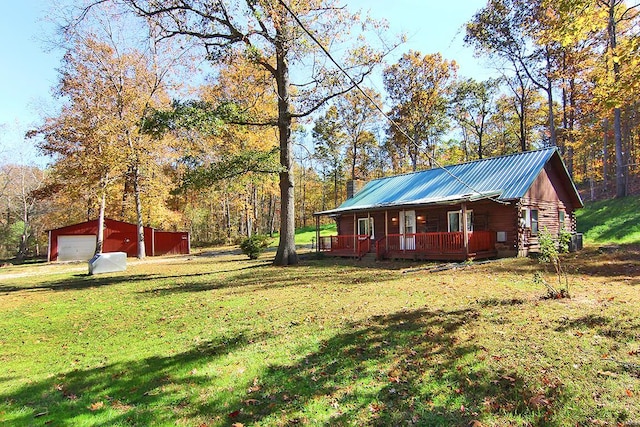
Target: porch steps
(369,256)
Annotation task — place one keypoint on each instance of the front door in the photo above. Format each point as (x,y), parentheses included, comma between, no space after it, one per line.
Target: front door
(408,230)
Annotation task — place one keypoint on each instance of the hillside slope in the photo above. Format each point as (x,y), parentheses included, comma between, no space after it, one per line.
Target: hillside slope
(611,221)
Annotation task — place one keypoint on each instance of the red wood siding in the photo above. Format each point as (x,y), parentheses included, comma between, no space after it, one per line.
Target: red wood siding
(548,195)
(169,243)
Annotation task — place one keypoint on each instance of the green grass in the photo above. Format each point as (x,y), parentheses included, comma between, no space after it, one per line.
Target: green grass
(305,236)
(611,221)
(217,340)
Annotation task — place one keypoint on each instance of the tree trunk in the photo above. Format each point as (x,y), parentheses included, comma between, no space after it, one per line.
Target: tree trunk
(552,124)
(24,237)
(103,203)
(140,225)
(286,253)
(605,154)
(621,187)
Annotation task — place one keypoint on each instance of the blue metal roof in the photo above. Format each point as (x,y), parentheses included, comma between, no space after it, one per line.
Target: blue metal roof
(505,178)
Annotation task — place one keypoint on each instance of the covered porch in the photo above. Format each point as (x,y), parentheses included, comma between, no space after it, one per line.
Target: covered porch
(456,232)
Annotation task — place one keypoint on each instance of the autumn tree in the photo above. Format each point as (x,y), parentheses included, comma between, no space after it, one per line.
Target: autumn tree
(472,105)
(226,150)
(275,35)
(82,138)
(506,29)
(357,117)
(329,145)
(418,87)
(20,207)
(97,138)
(618,13)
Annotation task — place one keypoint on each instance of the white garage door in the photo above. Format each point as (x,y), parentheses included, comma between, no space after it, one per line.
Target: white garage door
(76,248)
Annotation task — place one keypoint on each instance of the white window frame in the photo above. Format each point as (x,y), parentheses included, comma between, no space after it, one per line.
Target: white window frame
(526,218)
(368,226)
(459,213)
(534,229)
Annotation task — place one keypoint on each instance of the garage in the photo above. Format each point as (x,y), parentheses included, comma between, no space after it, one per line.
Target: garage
(77,242)
(76,248)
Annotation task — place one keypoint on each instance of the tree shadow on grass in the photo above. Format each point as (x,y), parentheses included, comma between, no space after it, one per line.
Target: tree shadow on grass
(86,281)
(139,392)
(611,327)
(610,262)
(249,279)
(408,368)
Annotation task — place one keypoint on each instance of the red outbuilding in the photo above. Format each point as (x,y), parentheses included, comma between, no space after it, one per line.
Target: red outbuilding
(77,242)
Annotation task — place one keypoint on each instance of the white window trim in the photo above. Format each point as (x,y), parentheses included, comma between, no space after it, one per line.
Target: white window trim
(369,229)
(459,212)
(526,218)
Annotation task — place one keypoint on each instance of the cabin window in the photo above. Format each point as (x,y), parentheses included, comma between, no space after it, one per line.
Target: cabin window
(561,220)
(365,227)
(455,221)
(533,213)
(529,219)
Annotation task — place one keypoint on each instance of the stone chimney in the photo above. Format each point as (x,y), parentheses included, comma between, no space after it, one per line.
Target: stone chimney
(353,187)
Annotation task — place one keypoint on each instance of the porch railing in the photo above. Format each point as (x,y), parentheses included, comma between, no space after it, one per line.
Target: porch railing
(348,244)
(420,243)
(480,241)
(440,242)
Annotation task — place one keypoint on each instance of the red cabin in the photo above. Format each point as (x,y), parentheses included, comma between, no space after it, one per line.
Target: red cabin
(487,208)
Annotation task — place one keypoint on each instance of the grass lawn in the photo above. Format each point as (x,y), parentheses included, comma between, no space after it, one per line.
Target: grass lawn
(614,221)
(218,340)
(306,236)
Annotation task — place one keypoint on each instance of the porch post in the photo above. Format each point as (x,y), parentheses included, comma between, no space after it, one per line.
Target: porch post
(317,233)
(355,232)
(386,230)
(465,231)
(401,223)
(386,224)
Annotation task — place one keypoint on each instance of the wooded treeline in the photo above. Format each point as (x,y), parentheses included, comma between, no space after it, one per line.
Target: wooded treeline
(154,140)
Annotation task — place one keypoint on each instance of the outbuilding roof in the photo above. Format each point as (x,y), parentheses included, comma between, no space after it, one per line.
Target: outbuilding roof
(504,178)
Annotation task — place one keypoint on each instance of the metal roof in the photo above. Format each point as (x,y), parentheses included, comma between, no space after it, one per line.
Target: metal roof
(505,178)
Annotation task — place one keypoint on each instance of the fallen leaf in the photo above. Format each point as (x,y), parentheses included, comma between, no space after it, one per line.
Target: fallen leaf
(234,414)
(237,425)
(539,401)
(96,406)
(374,408)
(629,392)
(475,423)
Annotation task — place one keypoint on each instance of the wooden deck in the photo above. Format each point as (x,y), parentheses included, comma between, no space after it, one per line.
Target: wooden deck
(418,246)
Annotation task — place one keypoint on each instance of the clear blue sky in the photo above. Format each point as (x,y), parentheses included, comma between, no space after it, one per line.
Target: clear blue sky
(28,72)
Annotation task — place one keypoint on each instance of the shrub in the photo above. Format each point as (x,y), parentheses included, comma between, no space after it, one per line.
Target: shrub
(550,250)
(253,246)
